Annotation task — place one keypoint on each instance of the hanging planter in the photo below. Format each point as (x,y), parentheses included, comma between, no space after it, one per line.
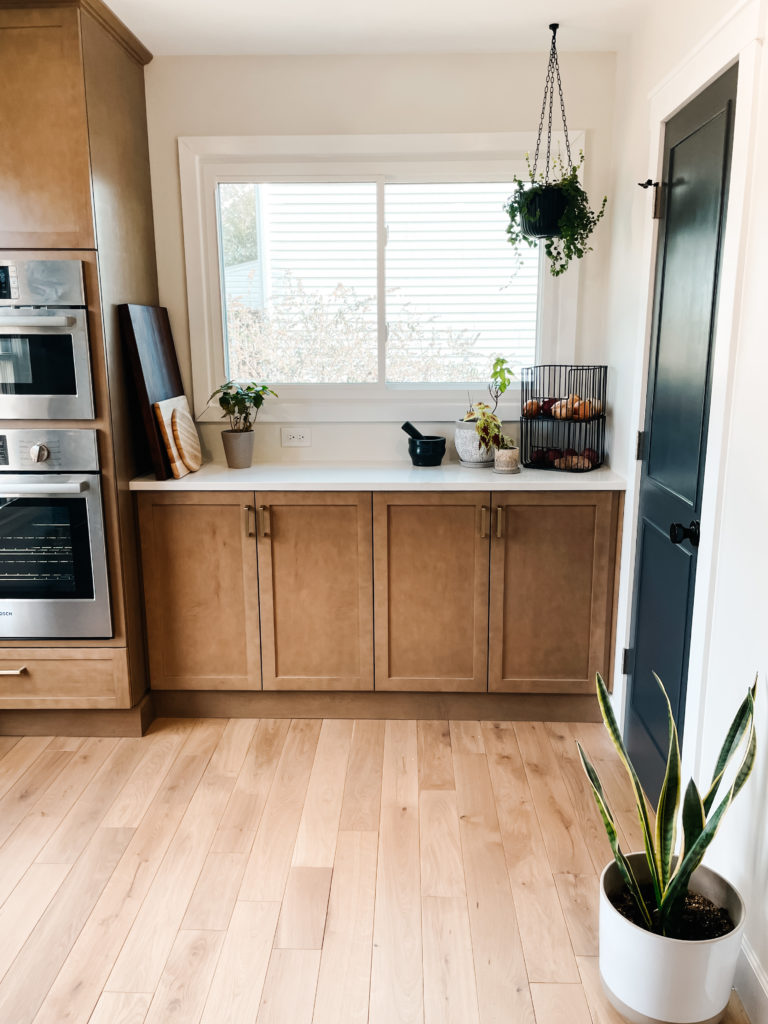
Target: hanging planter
(540,214)
(553,205)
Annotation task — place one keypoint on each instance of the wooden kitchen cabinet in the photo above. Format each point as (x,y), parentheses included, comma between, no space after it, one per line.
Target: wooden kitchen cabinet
(45,199)
(464,592)
(431,554)
(200,590)
(315,590)
(553,560)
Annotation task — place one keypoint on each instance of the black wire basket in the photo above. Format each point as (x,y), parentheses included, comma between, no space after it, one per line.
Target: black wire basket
(562,426)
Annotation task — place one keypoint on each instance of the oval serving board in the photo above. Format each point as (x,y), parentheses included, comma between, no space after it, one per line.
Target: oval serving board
(187,441)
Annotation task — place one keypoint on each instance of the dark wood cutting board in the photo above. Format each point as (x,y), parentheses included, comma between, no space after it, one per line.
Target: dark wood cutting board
(146,333)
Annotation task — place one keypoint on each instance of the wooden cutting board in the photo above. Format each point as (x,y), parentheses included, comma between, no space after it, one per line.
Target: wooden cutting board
(187,441)
(146,333)
(177,409)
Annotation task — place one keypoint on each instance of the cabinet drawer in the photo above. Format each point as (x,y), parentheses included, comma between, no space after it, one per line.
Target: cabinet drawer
(64,678)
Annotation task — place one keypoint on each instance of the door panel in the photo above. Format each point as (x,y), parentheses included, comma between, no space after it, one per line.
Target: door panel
(315,591)
(695,182)
(431,591)
(683,348)
(552,569)
(199,566)
(666,577)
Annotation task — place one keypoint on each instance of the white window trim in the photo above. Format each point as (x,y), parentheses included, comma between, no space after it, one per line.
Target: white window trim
(205,161)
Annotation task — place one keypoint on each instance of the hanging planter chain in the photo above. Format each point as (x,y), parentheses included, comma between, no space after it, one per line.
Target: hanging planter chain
(556,211)
(553,73)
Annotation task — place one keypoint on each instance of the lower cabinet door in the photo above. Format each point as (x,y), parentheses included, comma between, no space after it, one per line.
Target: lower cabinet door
(431,555)
(315,590)
(552,584)
(199,565)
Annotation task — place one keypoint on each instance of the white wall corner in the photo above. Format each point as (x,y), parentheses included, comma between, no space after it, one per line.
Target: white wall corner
(752,984)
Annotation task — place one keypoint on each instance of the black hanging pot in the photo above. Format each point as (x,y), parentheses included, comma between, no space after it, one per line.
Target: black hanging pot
(545,205)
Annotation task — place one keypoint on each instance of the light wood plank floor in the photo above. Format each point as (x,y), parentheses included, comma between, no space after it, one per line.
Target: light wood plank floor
(310,871)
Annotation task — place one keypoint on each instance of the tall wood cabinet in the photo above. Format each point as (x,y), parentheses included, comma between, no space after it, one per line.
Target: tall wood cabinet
(75,184)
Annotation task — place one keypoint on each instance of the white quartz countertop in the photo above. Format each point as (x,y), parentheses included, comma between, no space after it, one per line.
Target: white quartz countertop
(378,476)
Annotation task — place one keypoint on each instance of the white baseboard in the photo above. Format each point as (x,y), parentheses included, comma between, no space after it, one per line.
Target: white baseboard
(752,985)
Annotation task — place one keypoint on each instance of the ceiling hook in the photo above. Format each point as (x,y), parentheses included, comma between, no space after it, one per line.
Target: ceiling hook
(553,28)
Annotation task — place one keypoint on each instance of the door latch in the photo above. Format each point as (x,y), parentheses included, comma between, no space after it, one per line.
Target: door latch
(678,533)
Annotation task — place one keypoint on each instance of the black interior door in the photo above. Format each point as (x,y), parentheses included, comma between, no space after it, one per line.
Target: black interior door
(697,151)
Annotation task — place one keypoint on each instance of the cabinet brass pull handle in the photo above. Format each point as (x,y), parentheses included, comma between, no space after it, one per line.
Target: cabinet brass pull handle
(265,524)
(247,509)
(483,521)
(13,671)
(499,521)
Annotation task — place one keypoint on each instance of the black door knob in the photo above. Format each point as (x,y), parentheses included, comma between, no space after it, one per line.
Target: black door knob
(678,533)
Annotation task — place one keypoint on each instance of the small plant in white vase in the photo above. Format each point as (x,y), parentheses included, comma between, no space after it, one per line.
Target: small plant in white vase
(506,456)
(478,433)
(670,929)
(241,403)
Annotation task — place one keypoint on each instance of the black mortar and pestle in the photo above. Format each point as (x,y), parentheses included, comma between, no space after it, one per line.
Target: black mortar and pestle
(424,449)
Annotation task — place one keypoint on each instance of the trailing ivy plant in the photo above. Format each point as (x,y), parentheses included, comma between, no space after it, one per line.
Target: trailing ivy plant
(661,907)
(576,224)
(241,402)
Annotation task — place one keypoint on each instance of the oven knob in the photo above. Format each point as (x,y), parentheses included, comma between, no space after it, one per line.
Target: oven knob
(39,452)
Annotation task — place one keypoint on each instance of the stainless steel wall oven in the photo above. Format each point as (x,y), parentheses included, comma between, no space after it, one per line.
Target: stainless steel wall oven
(53,568)
(45,369)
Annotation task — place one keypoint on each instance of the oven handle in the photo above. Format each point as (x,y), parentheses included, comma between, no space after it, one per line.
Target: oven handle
(21,490)
(36,321)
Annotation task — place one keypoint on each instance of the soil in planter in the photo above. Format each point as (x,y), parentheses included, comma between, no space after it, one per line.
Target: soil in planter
(700,920)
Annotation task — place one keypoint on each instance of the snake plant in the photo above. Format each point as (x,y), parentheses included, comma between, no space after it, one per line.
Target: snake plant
(661,907)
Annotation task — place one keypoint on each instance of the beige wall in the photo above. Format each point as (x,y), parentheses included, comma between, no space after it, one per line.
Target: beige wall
(367,95)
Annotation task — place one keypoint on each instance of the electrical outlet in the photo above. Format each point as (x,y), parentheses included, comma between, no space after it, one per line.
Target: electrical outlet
(295,437)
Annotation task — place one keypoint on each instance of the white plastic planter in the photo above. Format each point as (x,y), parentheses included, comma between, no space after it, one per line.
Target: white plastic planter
(650,978)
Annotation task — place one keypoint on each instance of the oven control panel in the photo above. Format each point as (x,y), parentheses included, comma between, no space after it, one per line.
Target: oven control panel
(9,281)
(48,451)
(41,283)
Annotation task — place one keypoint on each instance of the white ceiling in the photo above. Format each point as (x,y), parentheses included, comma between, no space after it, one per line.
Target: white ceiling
(384,26)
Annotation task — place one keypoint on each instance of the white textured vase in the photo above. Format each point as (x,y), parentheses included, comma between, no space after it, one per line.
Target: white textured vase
(468,447)
(652,979)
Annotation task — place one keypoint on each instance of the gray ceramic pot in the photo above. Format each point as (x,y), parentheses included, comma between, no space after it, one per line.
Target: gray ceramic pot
(238,448)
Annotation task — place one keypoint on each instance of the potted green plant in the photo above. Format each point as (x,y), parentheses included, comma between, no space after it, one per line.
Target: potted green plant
(556,210)
(506,455)
(670,929)
(478,433)
(241,403)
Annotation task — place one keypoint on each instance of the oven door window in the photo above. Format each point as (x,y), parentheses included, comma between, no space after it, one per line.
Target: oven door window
(44,549)
(37,364)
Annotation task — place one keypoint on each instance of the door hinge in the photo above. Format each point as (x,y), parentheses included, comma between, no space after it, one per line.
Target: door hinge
(627,661)
(640,451)
(657,195)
